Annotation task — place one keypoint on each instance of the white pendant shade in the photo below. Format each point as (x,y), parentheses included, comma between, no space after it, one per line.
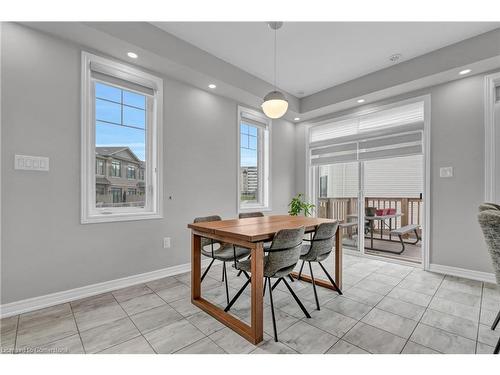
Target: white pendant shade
(275,105)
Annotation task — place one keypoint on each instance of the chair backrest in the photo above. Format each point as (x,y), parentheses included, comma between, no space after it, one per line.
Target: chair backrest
(488,206)
(322,242)
(284,251)
(207,241)
(490,224)
(245,215)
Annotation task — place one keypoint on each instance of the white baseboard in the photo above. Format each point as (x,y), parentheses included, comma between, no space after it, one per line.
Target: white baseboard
(35,303)
(463,272)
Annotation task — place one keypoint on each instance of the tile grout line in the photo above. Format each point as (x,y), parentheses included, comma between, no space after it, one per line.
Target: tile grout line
(55,340)
(419,321)
(138,330)
(183,318)
(479,318)
(17,330)
(77,328)
(360,320)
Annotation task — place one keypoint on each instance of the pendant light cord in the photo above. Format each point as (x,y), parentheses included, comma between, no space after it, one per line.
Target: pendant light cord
(275,48)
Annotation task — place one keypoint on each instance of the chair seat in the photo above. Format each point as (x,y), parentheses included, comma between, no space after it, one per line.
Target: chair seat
(226,253)
(246,265)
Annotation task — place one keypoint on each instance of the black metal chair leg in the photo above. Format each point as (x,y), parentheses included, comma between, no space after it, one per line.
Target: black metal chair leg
(272,309)
(227,284)
(314,286)
(276,283)
(495,323)
(228,307)
(265,287)
(330,278)
(208,268)
(497,348)
(297,299)
(223,270)
(291,278)
(302,266)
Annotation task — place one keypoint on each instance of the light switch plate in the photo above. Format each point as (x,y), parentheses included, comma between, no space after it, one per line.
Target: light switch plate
(31,163)
(166,243)
(446,172)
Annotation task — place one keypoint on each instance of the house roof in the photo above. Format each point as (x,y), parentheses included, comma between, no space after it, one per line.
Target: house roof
(112,151)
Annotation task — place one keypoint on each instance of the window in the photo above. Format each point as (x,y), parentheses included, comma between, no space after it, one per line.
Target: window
(116,169)
(253,168)
(122,112)
(323,186)
(99,167)
(131,172)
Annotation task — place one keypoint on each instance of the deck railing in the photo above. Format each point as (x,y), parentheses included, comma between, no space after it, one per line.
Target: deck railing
(341,208)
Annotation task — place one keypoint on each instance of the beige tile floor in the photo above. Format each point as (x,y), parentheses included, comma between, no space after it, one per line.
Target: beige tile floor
(386,308)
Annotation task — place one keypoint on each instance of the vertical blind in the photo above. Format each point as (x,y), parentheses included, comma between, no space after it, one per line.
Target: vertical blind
(386,133)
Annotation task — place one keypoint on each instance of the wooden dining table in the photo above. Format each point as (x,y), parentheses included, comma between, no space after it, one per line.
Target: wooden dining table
(251,233)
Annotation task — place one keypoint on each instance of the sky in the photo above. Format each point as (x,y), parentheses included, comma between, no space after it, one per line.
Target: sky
(120,119)
(248,147)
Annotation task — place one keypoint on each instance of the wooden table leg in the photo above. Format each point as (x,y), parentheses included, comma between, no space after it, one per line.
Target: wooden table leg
(257,264)
(254,332)
(195,267)
(338,257)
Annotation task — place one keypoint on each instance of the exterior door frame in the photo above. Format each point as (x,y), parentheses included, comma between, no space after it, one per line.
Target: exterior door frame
(312,180)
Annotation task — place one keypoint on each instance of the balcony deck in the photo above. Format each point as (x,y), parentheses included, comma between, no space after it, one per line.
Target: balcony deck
(411,209)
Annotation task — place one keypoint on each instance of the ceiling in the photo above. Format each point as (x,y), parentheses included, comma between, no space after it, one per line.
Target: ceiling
(313,56)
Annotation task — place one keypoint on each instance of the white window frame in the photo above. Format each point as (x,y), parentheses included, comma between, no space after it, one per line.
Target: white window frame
(154,144)
(264,160)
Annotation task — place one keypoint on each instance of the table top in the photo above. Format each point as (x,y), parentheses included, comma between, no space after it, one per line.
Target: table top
(257,229)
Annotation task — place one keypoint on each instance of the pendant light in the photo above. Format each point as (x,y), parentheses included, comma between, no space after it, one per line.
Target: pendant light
(275,104)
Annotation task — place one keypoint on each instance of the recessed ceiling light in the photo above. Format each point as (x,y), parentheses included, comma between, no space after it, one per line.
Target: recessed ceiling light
(132,55)
(464,72)
(395,58)
(212,86)
(296,119)
(361,100)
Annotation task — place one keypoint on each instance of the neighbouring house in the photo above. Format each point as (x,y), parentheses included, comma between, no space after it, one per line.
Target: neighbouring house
(119,178)
(249,183)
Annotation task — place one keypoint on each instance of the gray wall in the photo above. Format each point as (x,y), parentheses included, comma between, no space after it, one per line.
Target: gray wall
(45,249)
(457,140)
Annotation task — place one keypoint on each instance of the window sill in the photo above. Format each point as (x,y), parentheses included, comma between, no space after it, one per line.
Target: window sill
(247,209)
(109,218)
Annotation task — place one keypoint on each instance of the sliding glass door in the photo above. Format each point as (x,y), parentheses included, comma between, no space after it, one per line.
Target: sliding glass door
(338,190)
(367,171)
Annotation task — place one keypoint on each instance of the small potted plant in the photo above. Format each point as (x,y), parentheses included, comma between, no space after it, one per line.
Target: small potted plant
(298,206)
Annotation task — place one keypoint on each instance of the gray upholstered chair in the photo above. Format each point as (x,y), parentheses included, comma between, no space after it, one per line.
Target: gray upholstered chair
(489,220)
(488,206)
(224,252)
(318,250)
(245,215)
(281,259)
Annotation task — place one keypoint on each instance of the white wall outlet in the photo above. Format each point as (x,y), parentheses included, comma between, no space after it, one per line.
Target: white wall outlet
(166,243)
(31,163)
(446,172)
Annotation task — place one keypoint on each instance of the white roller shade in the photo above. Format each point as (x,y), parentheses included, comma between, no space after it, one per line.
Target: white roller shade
(408,116)
(123,79)
(251,119)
